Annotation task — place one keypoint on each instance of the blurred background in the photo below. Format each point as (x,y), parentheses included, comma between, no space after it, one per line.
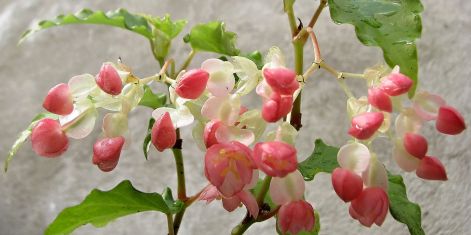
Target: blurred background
(36,189)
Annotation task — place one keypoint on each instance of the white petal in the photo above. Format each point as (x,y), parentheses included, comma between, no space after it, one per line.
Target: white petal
(264,90)
(407,121)
(354,156)
(180,117)
(197,134)
(225,109)
(115,124)
(275,58)
(287,133)
(82,85)
(108,102)
(403,159)
(80,123)
(225,134)
(376,175)
(248,73)
(357,106)
(426,105)
(386,123)
(253,121)
(287,189)
(221,79)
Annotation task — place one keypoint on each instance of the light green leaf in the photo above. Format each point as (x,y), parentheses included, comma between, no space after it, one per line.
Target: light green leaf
(323,159)
(174,205)
(391,25)
(148,138)
(401,208)
(117,18)
(152,100)
(212,37)
(164,31)
(256,57)
(101,207)
(24,136)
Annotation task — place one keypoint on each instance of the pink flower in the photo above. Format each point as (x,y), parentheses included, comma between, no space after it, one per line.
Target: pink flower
(430,168)
(275,158)
(365,125)
(59,100)
(449,121)
(415,144)
(281,80)
(276,107)
(396,84)
(48,139)
(109,80)
(229,167)
(209,134)
(371,206)
(379,99)
(106,153)
(347,184)
(163,134)
(296,217)
(192,84)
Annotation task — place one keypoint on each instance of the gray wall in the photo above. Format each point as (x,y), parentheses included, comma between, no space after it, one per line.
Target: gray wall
(36,189)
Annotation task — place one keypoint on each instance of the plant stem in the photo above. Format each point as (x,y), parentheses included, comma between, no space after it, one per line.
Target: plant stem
(170,224)
(263,190)
(316,15)
(177,153)
(295,118)
(291,18)
(187,62)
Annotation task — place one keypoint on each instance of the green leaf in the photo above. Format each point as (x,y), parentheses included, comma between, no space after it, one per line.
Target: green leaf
(24,136)
(212,37)
(101,207)
(256,57)
(148,138)
(391,25)
(152,100)
(174,205)
(322,159)
(164,31)
(117,18)
(401,208)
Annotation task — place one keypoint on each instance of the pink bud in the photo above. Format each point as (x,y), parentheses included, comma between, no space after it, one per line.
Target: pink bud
(415,144)
(108,80)
(192,84)
(371,206)
(379,99)
(59,100)
(430,168)
(281,80)
(295,217)
(106,153)
(365,125)
(163,134)
(209,134)
(449,121)
(48,139)
(347,184)
(275,158)
(276,107)
(396,84)
(229,167)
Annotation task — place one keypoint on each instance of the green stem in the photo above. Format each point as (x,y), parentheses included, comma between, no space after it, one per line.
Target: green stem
(177,153)
(170,224)
(187,61)
(291,18)
(263,190)
(295,120)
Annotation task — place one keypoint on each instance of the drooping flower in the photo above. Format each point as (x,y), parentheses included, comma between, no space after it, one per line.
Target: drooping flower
(48,139)
(229,167)
(275,158)
(109,80)
(347,184)
(295,217)
(449,121)
(379,99)
(282,80)
(415,144)
(277,107)
(365,125)
(106,153)
(395,84)
(371,206)
(430,168)
(59,100)
(192,84)
(163,133)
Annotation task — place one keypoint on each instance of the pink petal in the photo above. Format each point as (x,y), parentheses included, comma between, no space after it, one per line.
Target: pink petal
(209,193)
(379,99)
(106,153)
(295,217)
(231,203)
(209,134)
(59,100)
(109,80)
(277,107)
(346,184)
(431,168)
(250,202)
(192,84)
(450,121)
(371,206)
(415,144)
(48,139)
(396,84)
(281,80)
(275,158)
(365,125)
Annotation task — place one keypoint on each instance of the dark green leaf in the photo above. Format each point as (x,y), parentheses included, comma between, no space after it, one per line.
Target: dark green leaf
(212,37)
(171,203)
(256,57)
(118,18)
(101,207)
(24,136)
(323,159)
(147,140)
(401,208)
(152,100)
(391,25)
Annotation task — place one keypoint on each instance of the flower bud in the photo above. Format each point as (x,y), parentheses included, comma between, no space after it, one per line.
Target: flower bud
(415,144)
(209,134)
(281,80)
(106,153)
(59,100)
(163,134)
(379,99)
(365,125)
(371,206)
(109,80)
(449,121)
(48,139)
(430,168)
(192,84)
(275,158)
(276,107)
(396,84)
(347,184)
(296,217)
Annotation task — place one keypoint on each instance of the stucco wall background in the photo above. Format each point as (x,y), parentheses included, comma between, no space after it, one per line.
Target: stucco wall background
(36,189)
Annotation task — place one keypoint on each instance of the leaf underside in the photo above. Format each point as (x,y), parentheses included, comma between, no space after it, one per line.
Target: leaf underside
(392,25)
